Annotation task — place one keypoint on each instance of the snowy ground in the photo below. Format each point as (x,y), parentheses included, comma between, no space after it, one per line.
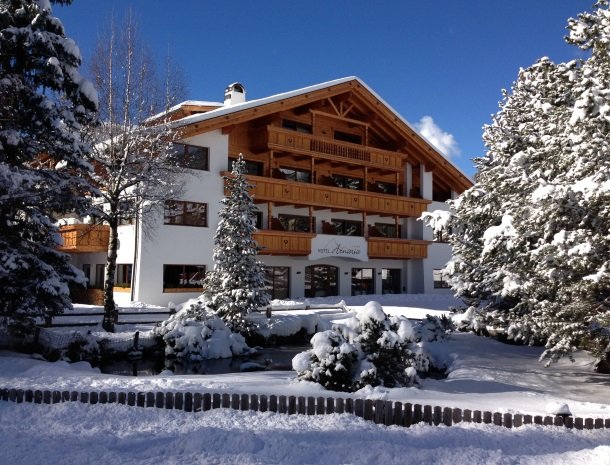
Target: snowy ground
(485,375)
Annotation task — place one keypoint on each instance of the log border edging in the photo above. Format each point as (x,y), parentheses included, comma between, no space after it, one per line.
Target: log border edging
(378,411)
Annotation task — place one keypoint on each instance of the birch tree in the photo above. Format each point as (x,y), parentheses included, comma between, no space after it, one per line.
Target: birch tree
(135,167)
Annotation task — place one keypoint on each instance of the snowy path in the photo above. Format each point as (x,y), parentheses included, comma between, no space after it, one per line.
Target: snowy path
(104,434)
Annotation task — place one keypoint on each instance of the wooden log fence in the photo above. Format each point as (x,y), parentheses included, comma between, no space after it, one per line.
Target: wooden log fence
(379,411)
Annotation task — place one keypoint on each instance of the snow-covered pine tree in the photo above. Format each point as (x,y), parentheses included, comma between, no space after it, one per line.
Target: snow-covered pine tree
(44,101)
(531,244)
(236,285)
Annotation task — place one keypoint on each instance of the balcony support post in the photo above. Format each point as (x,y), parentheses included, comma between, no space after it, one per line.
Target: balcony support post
(365,226)
(269,215)
(311,225)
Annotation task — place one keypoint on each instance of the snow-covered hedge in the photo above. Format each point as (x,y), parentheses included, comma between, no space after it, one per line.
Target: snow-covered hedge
(370,348)
(195,333)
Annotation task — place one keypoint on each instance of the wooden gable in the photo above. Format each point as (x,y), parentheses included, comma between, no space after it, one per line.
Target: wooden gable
(346,110)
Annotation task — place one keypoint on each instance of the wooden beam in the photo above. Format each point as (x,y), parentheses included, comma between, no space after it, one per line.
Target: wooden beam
(332,104)
(340,118)
(269,214)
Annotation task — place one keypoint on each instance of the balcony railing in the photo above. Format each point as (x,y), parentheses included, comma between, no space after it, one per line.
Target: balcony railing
(284,139)
(317,196)
(283,243)
(397,248)
(80,238)
(295,243)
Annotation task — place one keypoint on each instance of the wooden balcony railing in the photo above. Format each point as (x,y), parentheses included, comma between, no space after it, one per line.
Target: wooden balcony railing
(80,238)
(397,248)
(296,243)
(283,242)
(285,139)
(304,194)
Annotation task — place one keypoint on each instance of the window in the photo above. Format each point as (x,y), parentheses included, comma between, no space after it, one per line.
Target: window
(347,182)
(186,278)
(442,235)
(123,275)
(100,271)
(258,220)
(293,174)
(191,156)
(296,126)
(363,281)
(347,137)
(390,281)
(185,213)
(295,223)
(440,279)
(254,168)
(321,281)
(386,229)
(277,281)
(347,227)
(383,187)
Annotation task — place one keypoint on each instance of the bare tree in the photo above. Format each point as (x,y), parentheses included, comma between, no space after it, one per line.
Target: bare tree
(134,163)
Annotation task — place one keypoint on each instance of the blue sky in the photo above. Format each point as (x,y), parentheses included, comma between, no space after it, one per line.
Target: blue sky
(446,60)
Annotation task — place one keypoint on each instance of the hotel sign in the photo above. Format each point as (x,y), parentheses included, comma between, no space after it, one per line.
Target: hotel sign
(324,245)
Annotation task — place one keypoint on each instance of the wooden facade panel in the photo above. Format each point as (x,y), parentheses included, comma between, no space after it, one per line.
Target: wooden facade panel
(397,248)
(295,193)
(81,238)
(283,243)
(284,139)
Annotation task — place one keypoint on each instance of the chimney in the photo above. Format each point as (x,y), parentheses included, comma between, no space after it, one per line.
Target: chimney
(234,94)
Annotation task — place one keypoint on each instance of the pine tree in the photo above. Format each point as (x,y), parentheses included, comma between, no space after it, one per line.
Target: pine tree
(43,104)
(236,285)
(531,244)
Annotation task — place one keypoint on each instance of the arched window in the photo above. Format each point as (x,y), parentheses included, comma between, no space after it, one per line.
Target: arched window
(321,281)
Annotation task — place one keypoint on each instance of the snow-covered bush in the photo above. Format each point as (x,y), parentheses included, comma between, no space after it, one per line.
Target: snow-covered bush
(82,347)
(433,328)
(195,333)
(370,348)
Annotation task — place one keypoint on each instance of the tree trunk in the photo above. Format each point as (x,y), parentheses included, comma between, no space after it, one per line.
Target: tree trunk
(110,311)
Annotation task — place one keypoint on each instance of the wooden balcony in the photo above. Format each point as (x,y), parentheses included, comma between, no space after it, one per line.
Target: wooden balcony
(276,138)
(336,198)
(80,238)
(283,242)
(397,248)
(299,244)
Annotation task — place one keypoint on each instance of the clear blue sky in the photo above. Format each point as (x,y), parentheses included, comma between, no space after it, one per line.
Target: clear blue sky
(445,59)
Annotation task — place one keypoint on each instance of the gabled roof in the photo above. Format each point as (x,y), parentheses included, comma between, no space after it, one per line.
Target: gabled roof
(239,113)
(228,110)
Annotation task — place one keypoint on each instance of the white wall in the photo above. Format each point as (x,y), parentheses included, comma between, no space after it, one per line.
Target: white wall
(184,245)
(438,254)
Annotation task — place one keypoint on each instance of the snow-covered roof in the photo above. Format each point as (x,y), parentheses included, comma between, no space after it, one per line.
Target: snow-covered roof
(198,103)
(195,103)
(228,110)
